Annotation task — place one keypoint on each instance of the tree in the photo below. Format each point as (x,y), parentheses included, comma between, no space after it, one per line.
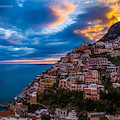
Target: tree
(46,117)
(103,118)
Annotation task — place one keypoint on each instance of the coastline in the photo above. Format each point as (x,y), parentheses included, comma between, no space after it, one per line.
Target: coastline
(5,106)
(15,76)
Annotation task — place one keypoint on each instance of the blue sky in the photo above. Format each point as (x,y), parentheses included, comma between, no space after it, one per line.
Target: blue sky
(41,31)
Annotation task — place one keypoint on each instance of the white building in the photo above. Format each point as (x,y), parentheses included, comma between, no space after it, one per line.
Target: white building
(77,87)
(116,85)
(72,115)
(109,46)
(99,43)
(61,113)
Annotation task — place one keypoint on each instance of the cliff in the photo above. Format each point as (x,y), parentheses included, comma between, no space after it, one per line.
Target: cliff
(113,32)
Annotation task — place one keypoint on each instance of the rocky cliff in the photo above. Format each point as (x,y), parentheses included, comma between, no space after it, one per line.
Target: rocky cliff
(113,32)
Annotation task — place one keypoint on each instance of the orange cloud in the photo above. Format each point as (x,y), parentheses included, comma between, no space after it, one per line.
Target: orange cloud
(106,2)
(27,63)
(93,32)
(44,61)
(61,10)
(114,14)
(96,30)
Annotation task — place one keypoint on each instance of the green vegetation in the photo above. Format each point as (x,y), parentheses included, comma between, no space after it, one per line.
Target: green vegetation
(45,117)
(61,98)
(103,118)
(99,55)
(114,60)
(109,103)
(112,99)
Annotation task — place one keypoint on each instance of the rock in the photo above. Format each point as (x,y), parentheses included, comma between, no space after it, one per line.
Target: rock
(113,32)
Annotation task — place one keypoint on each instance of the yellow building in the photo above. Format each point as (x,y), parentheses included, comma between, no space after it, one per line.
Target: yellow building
(47,84)
(33,98)
(87,52)
(49,79)
(41,89)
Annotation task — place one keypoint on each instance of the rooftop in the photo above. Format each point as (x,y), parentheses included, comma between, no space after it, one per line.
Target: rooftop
(6,113)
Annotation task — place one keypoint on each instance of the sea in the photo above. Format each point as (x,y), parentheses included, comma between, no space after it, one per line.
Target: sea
(14,77)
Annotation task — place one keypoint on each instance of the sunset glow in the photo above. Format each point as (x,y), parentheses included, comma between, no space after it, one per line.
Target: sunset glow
(42,31)
(61,10)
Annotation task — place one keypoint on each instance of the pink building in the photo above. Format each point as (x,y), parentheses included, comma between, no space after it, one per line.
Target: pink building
(91,77)
(88,75)
(118,76)
(66,83)
(65,59)
(91,93)
(86,67)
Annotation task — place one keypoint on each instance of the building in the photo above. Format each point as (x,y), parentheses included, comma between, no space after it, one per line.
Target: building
(87,52)
(33,98)
(118,76)
(85,44)
(51,79)
(75,61)
(116,85)
(65,59)
(6,113)
(77,87)
(72,115)
(88,75)
(15,118)
(86,67)
(24,111)
(99,43)
(111,117)
(95,114)
(80,76)
(109,46)
(41,89)
(96,51)
(42,111)
(66,83)
(99,51)
(63,75)
(61,113)
(91,77)
(46,84)
(115,53)
(98,62)
(92,92)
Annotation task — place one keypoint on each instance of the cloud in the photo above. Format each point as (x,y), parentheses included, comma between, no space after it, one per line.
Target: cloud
(61,10)
(97,24)
(57,43)
(114,13)
(13,52)
(88,2)
(7,33)
(41,29)
(93,31)
(43,61)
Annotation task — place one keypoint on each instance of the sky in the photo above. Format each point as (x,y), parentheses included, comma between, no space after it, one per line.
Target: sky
(42,31)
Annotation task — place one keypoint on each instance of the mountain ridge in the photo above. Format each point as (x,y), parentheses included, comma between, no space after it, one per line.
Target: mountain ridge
(113,33)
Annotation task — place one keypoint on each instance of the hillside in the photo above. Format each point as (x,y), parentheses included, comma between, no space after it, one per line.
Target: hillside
(86,80)
(113,32)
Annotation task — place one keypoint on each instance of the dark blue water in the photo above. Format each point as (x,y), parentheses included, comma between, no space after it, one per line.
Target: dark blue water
(13,79)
